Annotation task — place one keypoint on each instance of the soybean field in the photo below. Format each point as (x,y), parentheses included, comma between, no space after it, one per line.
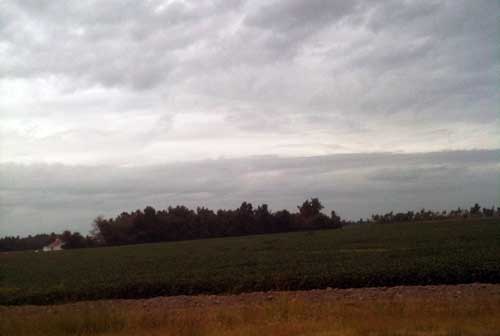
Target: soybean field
(363,255)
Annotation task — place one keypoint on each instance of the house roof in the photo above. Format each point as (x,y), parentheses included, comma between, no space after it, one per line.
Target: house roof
(56,243)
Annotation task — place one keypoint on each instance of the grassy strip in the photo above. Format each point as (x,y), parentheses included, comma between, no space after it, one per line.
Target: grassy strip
(283,316)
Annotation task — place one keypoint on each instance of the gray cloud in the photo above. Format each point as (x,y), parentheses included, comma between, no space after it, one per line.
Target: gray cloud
(289,23)
(284,16)
(112,43)
(37,198)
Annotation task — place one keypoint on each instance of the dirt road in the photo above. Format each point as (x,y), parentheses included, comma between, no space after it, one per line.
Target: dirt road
(398,293)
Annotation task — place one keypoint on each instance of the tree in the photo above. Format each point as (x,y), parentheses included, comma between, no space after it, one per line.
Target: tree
(73,240)
(282,221)
(310,208)
(336,222)
(475,210)
(263,219)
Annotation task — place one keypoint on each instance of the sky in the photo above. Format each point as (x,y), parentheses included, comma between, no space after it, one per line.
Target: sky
(108,106)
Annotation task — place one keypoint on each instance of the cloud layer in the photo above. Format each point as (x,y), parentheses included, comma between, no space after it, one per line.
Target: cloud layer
(112,105)
(121,82)
(38,198)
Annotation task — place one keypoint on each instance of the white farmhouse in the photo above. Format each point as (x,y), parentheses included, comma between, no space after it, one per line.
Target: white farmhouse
(56,245)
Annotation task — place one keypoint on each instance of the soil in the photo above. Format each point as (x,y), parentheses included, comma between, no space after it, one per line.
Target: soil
(399,293)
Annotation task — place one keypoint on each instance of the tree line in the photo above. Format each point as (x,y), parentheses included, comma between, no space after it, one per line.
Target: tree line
(423,215)
(181,223)
(38,241)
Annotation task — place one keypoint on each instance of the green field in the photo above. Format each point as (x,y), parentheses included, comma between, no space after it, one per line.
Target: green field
(439,252)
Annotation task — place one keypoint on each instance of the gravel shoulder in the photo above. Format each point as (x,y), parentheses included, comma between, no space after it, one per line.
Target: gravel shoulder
(438,293)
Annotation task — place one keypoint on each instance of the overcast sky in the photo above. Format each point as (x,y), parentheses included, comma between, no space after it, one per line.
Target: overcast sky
(371,105)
